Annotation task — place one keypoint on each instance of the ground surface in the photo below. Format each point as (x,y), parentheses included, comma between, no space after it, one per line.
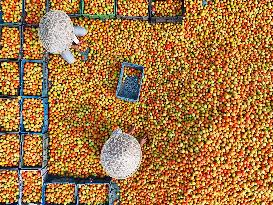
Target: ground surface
(205,104)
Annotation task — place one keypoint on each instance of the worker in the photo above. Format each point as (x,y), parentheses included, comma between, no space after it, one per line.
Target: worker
(57,34)
(131,131)
(121,154)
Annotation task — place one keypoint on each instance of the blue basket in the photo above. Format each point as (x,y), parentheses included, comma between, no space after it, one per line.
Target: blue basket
(113,190)
(52,179)
(18,63)
(44,138)
(44,80)
(19,185)
(129,88)
(2,131)
(166,19)
(19,27)
(2,22)
(24,27)
(78,187)
(44,196)
(44,128)
(29,170)
(139,18)
(13,167)
(56,180)
(79,14)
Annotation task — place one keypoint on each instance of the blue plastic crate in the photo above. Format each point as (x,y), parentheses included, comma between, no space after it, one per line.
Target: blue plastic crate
(44,127)
(19,201)
(44,80)
(2,131)
(166,19)
(18,63)
(14,23)
(12,167)
(29,170)
(114,193)
(52,179)
(2,22)
(44,160)
(90,183)
(44,193)
(19,27)
(113,189)
(5,133)
(79,14)
(140,18)
(129,86)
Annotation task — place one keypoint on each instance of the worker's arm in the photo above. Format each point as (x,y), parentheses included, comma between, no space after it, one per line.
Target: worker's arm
(142,141)
(117,131)
(75,40)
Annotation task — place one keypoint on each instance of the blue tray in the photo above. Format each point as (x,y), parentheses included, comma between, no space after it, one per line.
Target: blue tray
(20,188)
(44,196)
(44,138)
(13,167)
(129,89)
(166,19)
(44,128)
(51,179)
(19,27)
(29,170)
(19,104)
(18,88)
(78,197)
(2,22)
(138,18)
(45,76)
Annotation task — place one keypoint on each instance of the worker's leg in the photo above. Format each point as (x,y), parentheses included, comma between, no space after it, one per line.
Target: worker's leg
(68,56)
(79,31)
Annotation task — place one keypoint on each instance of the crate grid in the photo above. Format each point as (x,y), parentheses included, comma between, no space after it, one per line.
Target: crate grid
(46,179)
(21,97)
